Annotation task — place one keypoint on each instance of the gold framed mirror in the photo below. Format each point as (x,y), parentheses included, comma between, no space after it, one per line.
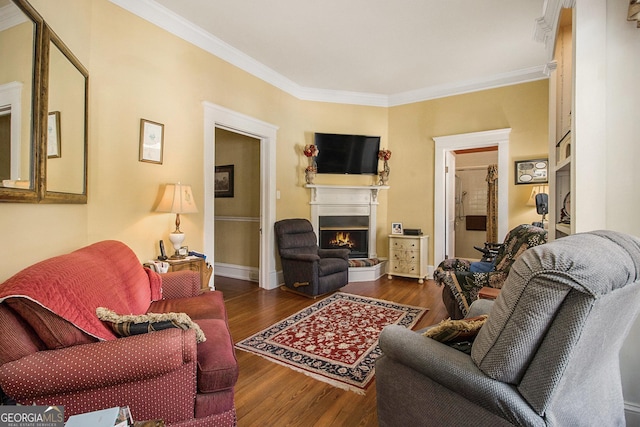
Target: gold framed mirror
(65,136)
(21,52)
(44,102)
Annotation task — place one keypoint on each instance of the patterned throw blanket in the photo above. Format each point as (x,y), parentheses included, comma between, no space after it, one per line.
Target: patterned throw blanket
(73,285)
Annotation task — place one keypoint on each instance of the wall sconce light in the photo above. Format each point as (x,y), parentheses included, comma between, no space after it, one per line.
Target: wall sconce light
(177,199)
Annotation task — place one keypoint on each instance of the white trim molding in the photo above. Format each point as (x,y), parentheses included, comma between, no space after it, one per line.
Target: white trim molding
(443,144)
(546,27)
(216,116)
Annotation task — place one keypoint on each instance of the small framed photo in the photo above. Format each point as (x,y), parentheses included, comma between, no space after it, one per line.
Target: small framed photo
(151,141)
(54,144)
(532,171)
(396,228)
(183,251)
(223,186)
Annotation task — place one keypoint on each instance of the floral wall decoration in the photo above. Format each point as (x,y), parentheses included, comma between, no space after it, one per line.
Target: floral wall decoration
(384,155)
(311,152)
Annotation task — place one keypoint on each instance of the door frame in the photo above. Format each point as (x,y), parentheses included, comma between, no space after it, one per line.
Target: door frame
(216,116)
(444,144)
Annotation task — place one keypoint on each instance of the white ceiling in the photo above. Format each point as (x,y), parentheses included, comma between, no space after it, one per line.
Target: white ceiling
(368,51)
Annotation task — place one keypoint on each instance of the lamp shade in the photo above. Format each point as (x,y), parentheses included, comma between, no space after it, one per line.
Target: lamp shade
(538,189)
(178,199)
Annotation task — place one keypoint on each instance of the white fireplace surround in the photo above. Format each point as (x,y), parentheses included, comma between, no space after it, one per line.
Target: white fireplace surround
(345,200)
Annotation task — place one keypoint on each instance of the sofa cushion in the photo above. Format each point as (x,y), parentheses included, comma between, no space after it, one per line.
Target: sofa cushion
(207,305)
(17,337)
(54,331)
(217,364)
(128,324)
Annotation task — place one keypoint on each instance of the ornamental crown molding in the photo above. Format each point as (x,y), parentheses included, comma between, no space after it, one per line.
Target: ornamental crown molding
(546,27)
(164,18)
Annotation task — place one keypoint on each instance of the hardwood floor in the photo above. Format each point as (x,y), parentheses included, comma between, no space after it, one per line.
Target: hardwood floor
(268,394)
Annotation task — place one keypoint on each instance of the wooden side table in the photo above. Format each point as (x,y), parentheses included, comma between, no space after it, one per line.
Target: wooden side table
(193,263)
(408,256)
(488,293)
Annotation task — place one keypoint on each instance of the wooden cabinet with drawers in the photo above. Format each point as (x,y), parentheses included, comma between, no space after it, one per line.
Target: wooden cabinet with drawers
(408,256)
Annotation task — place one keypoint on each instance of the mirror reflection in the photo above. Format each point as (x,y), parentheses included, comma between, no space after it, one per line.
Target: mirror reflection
(17,47)
(65,125)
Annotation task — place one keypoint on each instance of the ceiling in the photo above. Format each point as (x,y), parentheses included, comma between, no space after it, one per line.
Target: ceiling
(387,51)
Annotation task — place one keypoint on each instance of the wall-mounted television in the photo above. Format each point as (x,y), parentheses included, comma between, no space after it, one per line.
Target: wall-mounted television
(347,154)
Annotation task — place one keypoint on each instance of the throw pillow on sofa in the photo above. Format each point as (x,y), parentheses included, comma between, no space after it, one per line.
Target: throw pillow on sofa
(130,324)
(456,330)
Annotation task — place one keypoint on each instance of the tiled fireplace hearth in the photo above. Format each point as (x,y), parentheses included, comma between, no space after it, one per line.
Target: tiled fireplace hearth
(346,216)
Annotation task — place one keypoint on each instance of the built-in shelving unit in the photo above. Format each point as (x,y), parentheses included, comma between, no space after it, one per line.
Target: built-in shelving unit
(561,136)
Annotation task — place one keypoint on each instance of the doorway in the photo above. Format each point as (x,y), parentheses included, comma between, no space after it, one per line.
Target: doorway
(444,191)
(237,205)
(470,196)
(216,116)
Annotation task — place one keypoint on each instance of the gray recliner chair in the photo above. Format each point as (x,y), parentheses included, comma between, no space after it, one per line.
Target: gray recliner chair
(307,269)
(546,356)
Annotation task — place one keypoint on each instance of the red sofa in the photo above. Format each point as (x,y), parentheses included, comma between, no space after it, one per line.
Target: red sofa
(55,351)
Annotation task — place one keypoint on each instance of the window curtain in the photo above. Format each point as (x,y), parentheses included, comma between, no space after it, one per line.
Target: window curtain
(492,203)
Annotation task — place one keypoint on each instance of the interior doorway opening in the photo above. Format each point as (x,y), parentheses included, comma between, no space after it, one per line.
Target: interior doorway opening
(470,197)
(237,205)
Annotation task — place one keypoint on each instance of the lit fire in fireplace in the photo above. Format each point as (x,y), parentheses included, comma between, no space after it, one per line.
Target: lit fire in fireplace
(343,240)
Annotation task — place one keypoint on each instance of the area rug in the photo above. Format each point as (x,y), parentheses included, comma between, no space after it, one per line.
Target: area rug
(335,340)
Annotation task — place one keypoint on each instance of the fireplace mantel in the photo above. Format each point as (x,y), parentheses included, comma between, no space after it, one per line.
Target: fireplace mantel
(345,200)
(363,192)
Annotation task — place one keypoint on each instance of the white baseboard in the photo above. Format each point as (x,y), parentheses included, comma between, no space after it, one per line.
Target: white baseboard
(233,271)
(356,274)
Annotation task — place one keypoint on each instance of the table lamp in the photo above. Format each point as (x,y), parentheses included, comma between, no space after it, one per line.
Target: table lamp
(540,199)
(177,199)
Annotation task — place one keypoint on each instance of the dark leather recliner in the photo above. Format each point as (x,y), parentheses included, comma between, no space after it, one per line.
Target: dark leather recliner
(307,269)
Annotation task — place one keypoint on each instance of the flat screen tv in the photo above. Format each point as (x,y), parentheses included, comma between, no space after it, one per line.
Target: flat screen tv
(347,154)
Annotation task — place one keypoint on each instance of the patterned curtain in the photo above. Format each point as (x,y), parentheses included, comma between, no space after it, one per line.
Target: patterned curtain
(492,203)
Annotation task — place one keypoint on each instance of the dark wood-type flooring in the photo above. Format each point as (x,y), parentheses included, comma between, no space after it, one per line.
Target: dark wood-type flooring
(268,394)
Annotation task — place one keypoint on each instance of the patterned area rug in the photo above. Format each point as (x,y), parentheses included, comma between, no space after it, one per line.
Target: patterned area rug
(335,340)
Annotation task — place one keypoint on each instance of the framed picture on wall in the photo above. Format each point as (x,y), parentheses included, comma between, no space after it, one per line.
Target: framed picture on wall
(151,141)
(223,182)
(532,171)
(54,145)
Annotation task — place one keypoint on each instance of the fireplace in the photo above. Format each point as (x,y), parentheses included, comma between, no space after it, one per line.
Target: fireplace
(345,232)
(355,240)
(348,210)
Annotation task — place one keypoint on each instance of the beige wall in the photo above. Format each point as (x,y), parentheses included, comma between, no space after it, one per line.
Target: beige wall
(523,108)
(139,71)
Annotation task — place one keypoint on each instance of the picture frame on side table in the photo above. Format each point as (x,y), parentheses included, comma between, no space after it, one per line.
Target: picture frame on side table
(54,144)
(151,141)
(223,182)
(532,171)
(396,228)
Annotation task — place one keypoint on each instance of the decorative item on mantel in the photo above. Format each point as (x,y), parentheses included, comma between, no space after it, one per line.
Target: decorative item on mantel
(634,12)
(384,155)
(311,152)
